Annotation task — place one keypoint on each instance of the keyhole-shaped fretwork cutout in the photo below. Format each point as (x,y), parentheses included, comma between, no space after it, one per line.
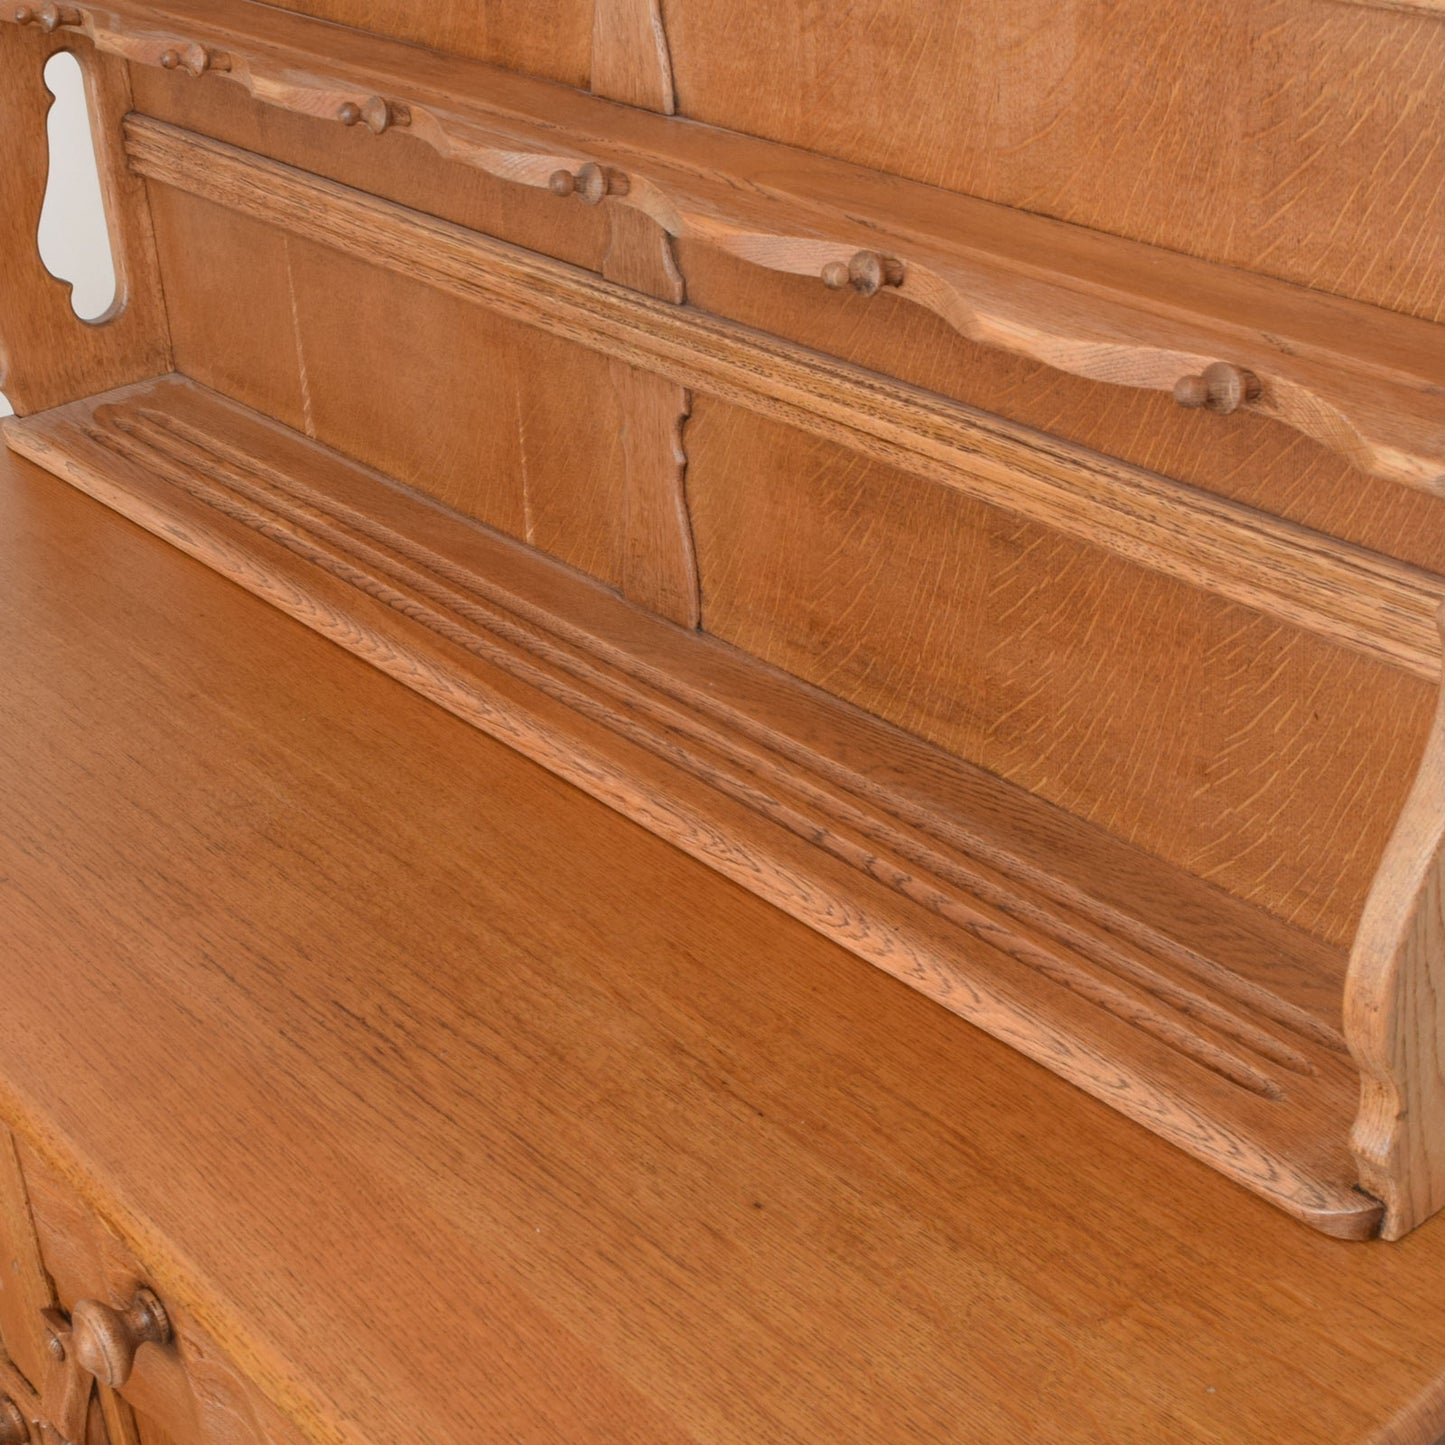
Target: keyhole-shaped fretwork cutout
(74,236)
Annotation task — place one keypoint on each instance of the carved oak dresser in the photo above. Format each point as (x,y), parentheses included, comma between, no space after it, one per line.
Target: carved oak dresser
(609,558)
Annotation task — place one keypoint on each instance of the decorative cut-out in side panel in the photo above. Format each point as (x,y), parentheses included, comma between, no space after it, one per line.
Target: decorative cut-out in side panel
(74,237)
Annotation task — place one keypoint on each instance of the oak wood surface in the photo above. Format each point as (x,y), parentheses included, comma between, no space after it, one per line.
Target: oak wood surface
(47,354)
(26,1290)
(1247,456)
(184,1391)
(1098,306)
(1295,137)
(630,58)
(1228,744)
(534,413)
(555,41)
(1185,1042)
(1365,602)
(1395,1007)
(696,1165)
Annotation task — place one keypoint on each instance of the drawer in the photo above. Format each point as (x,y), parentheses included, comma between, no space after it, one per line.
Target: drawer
(77,1306)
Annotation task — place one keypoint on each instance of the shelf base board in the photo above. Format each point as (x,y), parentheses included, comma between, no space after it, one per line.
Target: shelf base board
(1202,1018)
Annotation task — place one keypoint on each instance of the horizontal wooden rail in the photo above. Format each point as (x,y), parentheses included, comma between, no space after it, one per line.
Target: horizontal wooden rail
(1354,597)
(1361,380)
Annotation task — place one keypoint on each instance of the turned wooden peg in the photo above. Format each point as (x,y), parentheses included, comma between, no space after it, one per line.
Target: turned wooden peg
(591,183)
(376,112)
(1219,387)
(866,272)
(24,15)
(106,1339)
(14,1430)
(195,59)
(52,17)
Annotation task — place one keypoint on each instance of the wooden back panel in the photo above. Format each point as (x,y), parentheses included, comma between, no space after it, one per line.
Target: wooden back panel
(1292,137)
(1250,754)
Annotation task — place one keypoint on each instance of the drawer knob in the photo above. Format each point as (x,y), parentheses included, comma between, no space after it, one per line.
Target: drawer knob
(590,184)
(865,273)
(376,112)
(1219,387)
(106,1339)
(13,1428)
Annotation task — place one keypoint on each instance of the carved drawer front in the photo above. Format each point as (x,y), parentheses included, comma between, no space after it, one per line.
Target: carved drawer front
(97,1354)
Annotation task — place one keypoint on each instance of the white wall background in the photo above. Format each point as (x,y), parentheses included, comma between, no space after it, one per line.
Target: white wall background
(72,238)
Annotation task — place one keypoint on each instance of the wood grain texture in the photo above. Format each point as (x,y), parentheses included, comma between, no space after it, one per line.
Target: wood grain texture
(1248,457)
(184,1390)
(1253,754)
(630,59)
(1099,308)
(1425,7)
(17,1389)
(660,561)
(1394,1013)
(695,1161)
(1194,1054)
(1362,601)
(47,354)
(24,1286)
(488,416)
(1289,136)
(554,42)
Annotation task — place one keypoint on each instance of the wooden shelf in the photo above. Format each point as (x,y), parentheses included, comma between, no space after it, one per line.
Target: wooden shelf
(1364,381)
(1205,1019)
(258,898)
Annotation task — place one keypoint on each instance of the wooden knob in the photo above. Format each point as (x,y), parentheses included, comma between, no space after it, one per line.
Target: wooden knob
(376,112)
(24,15)
(591,183)
(52,17)
(14,1429)
(196,59)
(106,1339)
(1219,387)
(866,272)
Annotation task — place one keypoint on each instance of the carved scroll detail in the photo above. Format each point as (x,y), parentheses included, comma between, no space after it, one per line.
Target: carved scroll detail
(1395,1007)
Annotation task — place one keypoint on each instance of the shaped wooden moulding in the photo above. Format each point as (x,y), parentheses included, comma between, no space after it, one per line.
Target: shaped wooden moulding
(1253,1042)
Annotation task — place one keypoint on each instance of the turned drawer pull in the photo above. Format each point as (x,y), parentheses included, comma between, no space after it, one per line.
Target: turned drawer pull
(591,183)
(376,113)
(13,1428)
(106,1339)
(195,59)
(1219,387)
(865,273)
(49,17)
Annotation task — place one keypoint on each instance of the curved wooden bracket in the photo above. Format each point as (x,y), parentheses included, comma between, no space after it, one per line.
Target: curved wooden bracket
(1364,382)
(1395,1007)
(48,356)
